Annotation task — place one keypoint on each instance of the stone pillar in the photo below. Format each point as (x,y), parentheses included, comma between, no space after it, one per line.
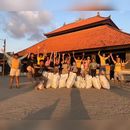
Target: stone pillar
(128,58)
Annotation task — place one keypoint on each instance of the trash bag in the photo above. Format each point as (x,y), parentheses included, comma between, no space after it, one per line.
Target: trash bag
(71,80)
(62,81)
(55,81)
(88,80)
(77,82)
(96,82)
(50,79)
(40,86)
(45,74)
(104,82)
(82,82)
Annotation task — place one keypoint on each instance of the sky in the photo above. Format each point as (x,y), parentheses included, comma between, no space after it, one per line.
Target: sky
(23,23)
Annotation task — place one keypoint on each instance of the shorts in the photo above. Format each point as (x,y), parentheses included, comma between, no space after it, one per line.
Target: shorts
(102,68)
(118,75)
(15,72)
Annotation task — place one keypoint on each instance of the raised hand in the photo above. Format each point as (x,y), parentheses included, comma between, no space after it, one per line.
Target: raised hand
(54,53)
(68,54)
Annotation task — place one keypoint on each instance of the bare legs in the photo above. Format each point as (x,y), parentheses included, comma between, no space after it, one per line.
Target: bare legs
(12,81)
(17,81)
(31,72)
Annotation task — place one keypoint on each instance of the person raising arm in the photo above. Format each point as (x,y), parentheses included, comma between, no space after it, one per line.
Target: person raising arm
(57,61)
(112,59)
(103,59)
(15,65)
(69,59)
(40,56)
(78,62)
(63,58)
(48,60)
(117,69)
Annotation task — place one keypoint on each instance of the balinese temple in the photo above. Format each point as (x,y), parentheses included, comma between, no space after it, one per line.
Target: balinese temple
(86,35)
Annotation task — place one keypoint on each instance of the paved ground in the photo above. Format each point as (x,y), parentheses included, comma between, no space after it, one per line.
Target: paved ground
(73,104)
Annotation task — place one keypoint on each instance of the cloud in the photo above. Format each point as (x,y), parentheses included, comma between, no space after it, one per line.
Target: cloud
(19,5)
(36,36)
(93,5)
(28,24)
(93,8)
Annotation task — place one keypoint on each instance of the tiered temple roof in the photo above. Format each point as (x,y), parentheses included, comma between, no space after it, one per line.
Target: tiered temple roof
(89,34)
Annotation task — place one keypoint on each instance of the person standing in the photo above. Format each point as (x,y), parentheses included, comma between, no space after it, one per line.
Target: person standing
(93,67)
(74,68)
(40,56)
(65,65)
(117,69)
(68,58)
(57,61)
(31,63)
(15,64)
(123,64)
(86,63)
(103,59)
(49,62)
(78,62)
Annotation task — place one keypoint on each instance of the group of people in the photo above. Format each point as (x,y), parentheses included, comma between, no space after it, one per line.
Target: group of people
(62,64)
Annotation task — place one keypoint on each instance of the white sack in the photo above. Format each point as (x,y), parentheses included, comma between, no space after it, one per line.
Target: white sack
(77,82)
(71,80)
(50,79)
(40,86)
(88,80)
(45,74)
(96,82)
(62,81)
(104,82)
(82,83)
(55,81)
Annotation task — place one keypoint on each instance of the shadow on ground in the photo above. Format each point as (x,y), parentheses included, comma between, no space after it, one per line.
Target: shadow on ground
(72,121)
(7,93)
(121,91)
(43,114)
(77,109)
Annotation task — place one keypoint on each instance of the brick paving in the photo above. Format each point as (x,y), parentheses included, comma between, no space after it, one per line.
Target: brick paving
(69,104)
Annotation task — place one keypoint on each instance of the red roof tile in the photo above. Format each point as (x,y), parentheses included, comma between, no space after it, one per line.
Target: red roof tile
(97,37)
(79,23)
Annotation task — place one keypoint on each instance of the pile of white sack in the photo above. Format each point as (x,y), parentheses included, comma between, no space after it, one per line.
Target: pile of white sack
(72,80)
